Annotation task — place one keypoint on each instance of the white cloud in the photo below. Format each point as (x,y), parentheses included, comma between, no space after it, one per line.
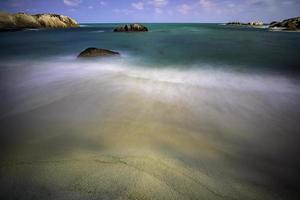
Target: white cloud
(138,5)
(231,5)
(206,4)
(170,12)
(72,2)
(121,11)
(159,3)
(184,8)
(158,10)
(102,3)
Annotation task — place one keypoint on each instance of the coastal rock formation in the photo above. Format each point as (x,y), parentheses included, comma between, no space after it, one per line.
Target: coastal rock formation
(254,24)
(131,28)
(235,23)
(21,21)
(96,52)
(292,24)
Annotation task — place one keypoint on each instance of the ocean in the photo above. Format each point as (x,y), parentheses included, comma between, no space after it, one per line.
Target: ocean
(188,111)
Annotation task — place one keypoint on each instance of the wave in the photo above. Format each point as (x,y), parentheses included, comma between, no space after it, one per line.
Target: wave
(99,31)
(201,76)
(68,72)
(33,29)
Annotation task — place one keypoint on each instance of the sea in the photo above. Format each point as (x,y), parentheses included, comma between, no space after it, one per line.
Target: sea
(187,111)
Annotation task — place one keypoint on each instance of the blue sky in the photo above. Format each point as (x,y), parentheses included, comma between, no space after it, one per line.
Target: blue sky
(160,10)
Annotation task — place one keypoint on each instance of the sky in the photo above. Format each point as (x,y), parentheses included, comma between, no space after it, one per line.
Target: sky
(202,11)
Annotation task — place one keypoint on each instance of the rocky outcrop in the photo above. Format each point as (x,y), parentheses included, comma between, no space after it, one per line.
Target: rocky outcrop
(131,28)
(256,23)
(292,24)
(96,52)
(235,23)
(21,21)
(251,24)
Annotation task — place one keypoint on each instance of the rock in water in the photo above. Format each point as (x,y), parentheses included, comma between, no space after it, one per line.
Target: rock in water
(95,52)
(249,24)
(131,28)
(21,21)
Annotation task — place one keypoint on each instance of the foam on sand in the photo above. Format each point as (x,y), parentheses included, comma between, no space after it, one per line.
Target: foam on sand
(110,130)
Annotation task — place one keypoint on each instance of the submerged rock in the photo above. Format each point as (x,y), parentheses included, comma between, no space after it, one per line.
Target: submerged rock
(131,28)
(292,24)
(96,52)
(21,21)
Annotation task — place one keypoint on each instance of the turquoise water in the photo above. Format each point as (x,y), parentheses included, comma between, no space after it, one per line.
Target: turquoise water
(188,111)
(180,45)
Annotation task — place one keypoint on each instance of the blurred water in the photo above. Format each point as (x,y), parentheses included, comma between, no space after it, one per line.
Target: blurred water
(180,45)
(189,111)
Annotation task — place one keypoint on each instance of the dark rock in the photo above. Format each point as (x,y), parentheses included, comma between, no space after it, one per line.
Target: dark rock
(274,23)
(235,23)
(95,52)
(131,28)
(249,24)
(291,24)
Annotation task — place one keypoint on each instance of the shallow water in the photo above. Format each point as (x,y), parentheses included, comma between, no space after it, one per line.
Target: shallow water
(190,122)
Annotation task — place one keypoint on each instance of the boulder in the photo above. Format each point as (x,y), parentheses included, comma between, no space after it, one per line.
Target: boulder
(131,28)
(21,21)
(96,52)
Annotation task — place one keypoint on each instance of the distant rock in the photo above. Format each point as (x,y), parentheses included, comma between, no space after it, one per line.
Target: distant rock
(292,24)
(19,21)
(249,24)
(273,23)
(256,23)
(96,52)
(235,23)
(131,28)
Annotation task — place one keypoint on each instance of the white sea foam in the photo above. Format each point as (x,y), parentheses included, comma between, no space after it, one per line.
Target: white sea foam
(99,31)
(33,29)
(201,76)
(221,124)
(68,74)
